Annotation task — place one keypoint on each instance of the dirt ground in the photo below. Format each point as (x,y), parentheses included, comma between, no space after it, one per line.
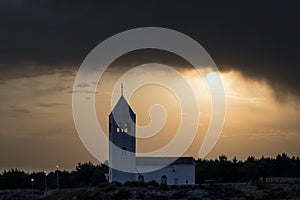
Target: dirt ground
(202,191)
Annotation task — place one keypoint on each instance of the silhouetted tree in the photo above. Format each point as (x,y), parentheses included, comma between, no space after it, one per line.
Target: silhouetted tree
(220,169)
(250,169)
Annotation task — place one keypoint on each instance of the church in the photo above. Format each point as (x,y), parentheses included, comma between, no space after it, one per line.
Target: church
(122,153)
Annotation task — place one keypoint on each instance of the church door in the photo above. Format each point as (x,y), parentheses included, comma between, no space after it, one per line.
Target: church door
(163,179)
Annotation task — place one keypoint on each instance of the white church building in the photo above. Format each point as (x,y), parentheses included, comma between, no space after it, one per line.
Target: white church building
(122,134)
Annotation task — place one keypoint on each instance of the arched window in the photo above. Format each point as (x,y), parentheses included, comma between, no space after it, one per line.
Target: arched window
(123,127)
(163,180)
(141,178)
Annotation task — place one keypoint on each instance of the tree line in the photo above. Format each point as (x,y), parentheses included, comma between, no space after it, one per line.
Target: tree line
(220,169)
(85,174)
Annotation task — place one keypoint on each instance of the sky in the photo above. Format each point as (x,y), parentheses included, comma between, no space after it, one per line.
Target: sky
(255,45)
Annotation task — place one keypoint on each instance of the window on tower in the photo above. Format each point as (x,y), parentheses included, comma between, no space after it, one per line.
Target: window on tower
(123,127)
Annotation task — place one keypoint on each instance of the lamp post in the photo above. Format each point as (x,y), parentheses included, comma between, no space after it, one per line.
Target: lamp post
(45,172)
(57,179)
(32,181)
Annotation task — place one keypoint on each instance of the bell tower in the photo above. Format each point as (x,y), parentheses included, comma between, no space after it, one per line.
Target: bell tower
(122,145)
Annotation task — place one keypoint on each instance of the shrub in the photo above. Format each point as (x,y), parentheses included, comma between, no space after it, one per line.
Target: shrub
(122,194)
(111,187)
(134,184)
(181,194)
(163,187)
(152,183)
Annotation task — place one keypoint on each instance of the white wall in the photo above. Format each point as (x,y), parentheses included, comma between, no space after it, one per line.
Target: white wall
(124,161)
(184,174)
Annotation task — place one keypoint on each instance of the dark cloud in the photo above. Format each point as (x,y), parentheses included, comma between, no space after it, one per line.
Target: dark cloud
(19,109)
(82,91)
(50,105)
(83,85)
(258,38)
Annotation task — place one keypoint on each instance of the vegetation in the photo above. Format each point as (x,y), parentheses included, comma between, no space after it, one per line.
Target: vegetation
(224,170)
(221,169)
(84,175)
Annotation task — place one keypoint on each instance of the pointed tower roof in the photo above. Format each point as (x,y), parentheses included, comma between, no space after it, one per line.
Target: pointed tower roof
(122,106)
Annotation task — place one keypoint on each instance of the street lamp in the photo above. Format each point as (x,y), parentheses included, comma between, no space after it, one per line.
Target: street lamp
(32,181)
(45,172)
(57,179)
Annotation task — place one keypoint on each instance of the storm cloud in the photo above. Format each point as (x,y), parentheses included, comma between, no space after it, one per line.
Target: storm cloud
(260,39)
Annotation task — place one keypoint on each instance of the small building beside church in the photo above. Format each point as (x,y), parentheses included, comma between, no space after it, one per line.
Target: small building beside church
(122,134)
(179,172)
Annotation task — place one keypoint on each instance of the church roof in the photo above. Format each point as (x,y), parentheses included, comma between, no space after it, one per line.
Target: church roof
(122,106)
(162,161)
